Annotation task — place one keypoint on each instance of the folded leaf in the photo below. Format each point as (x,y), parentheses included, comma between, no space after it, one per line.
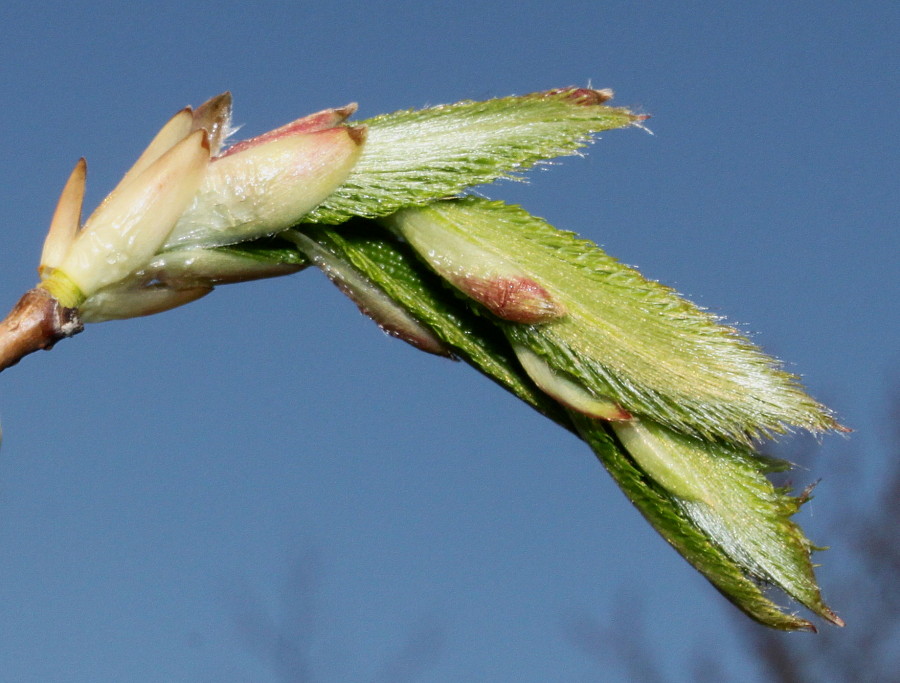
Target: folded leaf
(723,490)
(683,486)
(624,338)
(391,267)
(412,157)
(668,516)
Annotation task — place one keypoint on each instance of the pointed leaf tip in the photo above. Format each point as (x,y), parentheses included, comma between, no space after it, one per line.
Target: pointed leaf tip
(585,96)
(66,219)
(174,131)
(358,133)
(214,116)
(834,619)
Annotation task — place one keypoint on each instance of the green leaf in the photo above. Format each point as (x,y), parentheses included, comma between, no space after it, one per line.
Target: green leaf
(390,267)
(617,335)
(668,516)
(682,486)
(722,489)
(412,157)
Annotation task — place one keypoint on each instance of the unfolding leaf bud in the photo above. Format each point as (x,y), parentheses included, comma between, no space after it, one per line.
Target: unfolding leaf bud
(129,227)
(267,184)
(477,267)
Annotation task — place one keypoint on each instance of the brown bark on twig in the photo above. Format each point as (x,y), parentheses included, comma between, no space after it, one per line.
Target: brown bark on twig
(37,322)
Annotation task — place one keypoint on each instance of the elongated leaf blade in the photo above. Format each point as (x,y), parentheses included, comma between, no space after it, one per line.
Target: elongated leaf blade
(391,265)
(623,337)
(386,264)
(412,157)
(665,514)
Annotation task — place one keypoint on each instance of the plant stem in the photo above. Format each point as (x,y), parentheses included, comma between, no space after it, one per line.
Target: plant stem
(36,322)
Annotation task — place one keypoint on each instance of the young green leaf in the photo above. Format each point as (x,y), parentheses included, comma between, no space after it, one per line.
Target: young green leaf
(723,490)
(668,516)
(683,486)
(623,338)
(412,157)
(378,258)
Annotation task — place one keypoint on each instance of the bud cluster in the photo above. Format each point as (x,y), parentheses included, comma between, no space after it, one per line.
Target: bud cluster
(151,244)
(670,400)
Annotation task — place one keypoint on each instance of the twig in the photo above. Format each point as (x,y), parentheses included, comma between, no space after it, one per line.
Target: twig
(36,322)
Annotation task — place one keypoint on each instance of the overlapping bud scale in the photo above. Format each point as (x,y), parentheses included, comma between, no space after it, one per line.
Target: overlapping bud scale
(186,192)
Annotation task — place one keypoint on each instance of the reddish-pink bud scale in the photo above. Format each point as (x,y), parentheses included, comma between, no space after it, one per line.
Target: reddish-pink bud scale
(517,299)
(584,96)
(313,123)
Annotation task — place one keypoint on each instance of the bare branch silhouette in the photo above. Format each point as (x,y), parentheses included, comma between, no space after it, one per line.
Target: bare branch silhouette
(289,641)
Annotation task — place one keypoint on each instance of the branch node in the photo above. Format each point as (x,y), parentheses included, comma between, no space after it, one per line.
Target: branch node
(36,322)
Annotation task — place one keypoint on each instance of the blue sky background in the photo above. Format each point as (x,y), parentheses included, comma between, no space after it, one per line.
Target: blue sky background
(178,492)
